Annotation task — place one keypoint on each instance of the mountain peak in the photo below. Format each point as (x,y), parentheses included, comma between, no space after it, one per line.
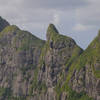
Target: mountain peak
(3,23)
(51,31)
(52,27)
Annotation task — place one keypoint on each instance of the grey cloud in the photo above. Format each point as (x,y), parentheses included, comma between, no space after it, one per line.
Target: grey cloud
(44,4)
(89,15)
(55,4)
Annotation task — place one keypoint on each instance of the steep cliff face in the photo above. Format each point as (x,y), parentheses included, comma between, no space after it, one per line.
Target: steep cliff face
(55,69)
(19,54)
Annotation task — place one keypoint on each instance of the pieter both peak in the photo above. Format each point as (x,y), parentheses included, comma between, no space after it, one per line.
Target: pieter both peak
(55,69)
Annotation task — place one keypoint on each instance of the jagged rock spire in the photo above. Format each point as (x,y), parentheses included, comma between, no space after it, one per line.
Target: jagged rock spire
(51,31)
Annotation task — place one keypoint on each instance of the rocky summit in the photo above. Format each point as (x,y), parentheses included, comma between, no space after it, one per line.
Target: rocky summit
(55,69)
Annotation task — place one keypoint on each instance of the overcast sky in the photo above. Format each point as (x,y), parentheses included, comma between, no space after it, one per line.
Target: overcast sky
(79,19)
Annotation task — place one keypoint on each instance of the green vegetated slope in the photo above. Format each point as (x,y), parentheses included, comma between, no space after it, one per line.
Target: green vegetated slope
(91,56)
(24,37)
